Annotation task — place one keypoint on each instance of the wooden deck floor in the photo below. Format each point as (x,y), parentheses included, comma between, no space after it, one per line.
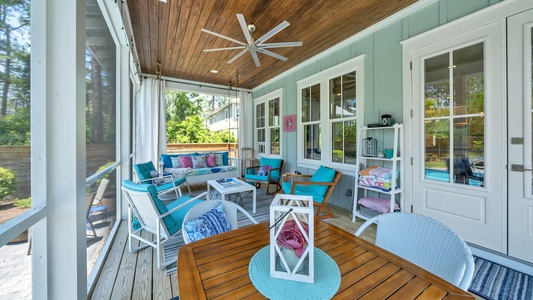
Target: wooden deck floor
(136,276)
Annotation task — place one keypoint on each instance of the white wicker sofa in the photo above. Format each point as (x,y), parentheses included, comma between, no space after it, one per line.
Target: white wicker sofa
(196,175)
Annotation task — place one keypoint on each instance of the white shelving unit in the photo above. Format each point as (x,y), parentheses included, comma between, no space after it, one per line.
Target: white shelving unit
(389,137)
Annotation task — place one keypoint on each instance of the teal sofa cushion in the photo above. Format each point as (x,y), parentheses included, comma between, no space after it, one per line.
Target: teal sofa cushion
(323,174)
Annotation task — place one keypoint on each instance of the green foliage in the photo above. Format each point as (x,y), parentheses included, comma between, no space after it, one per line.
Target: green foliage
(7,183)
(23,203)
(184,124)
(15,129)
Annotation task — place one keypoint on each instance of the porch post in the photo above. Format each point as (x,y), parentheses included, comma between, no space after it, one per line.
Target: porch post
(58,149)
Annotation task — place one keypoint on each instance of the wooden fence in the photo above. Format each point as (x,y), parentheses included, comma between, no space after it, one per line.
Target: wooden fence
(17,159)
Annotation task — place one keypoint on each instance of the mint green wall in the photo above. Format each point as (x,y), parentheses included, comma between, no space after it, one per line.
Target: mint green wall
(383,70)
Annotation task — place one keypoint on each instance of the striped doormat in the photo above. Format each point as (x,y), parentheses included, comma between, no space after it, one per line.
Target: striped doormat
(496,282)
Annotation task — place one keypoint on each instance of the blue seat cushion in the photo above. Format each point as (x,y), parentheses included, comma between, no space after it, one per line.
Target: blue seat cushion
(212,222)
(179,214)
(323,174)
(255,177)
(303,190)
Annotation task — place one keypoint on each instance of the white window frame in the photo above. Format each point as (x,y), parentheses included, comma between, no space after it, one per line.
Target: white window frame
(265,100)
(355,64)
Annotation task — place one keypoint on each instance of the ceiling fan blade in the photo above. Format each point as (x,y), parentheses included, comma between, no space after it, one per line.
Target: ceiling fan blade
(222,49)
(237,56)
(272,32)
(280,45)
(244,28)
(224,37)
(264,51)
(255,58)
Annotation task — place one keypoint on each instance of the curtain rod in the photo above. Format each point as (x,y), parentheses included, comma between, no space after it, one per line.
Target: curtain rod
(199,84)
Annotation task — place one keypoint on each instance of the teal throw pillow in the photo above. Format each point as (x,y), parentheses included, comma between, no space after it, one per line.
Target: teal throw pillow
(323,174)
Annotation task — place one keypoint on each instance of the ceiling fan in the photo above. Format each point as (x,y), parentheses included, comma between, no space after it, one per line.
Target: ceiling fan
(252,45)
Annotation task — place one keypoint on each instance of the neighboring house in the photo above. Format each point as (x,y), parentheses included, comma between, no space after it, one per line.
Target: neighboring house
(387,69)
(225,117)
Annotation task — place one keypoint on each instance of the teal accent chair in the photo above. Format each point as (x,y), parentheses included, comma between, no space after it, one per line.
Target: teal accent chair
(319,185)
(273,176)
(153,216)
(427,243)
(171,183)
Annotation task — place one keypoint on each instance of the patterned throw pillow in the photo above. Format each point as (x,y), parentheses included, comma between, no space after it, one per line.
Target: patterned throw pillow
(186,161)
(213,222)
(263,170)
(220,159)
(199,162)
(211,160)
(176,163)
(155,178)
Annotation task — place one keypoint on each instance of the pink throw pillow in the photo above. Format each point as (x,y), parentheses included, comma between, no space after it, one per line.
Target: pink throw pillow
(186,161)
(211,160)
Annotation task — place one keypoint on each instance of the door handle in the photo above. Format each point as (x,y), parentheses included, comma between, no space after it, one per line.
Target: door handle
(519,168)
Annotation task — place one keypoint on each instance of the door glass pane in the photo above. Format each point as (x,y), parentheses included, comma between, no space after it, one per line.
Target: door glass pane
(274,141)
(437,86)
(468,80)
(260,115)
(348,94)
(455,154)
(337,143)
(437,144)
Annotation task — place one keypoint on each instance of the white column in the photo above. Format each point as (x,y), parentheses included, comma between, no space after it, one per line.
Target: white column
(58,148)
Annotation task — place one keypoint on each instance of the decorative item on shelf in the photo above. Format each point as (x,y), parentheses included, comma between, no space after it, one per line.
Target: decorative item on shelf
(292,238)
(386,120)
(370,147)
(388,153)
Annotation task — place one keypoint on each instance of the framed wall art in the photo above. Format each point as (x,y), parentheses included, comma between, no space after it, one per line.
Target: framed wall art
(289,123)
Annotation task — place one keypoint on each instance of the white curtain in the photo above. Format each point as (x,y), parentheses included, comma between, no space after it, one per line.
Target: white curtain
(151,123)
(245,124)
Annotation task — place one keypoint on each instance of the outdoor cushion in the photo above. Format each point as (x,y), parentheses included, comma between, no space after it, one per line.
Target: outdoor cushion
(199,161)
(176,162)
(169,185)
(219,159)
(273,163)
(213,222)
(323,174)
(211,160)
(225,160)
(186,161)
(179,214)
(255,177)
(300,189)
(143,170)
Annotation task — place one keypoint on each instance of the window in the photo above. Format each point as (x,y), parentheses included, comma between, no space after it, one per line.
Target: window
(268,124)
(329,107)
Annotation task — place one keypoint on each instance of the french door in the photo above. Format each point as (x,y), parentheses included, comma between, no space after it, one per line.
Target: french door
(520,195)
(459,144)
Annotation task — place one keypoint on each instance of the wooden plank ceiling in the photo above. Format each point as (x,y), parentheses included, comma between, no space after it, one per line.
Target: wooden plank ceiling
(170,33)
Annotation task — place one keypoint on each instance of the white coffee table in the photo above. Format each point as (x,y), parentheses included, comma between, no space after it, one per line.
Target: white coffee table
(239,187)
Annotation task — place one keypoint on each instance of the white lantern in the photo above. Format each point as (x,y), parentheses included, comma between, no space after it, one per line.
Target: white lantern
(292,238)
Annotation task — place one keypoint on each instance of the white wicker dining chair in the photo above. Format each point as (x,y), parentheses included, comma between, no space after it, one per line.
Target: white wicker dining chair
(427,243)
(231,209)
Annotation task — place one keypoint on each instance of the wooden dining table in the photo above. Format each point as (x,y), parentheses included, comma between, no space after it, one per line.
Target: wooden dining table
(217,267)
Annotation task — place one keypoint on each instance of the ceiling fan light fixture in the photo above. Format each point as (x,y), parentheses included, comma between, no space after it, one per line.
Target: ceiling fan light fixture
(214,71)
(252,45)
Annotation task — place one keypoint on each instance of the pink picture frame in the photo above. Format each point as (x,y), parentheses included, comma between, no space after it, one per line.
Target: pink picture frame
(289,123)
